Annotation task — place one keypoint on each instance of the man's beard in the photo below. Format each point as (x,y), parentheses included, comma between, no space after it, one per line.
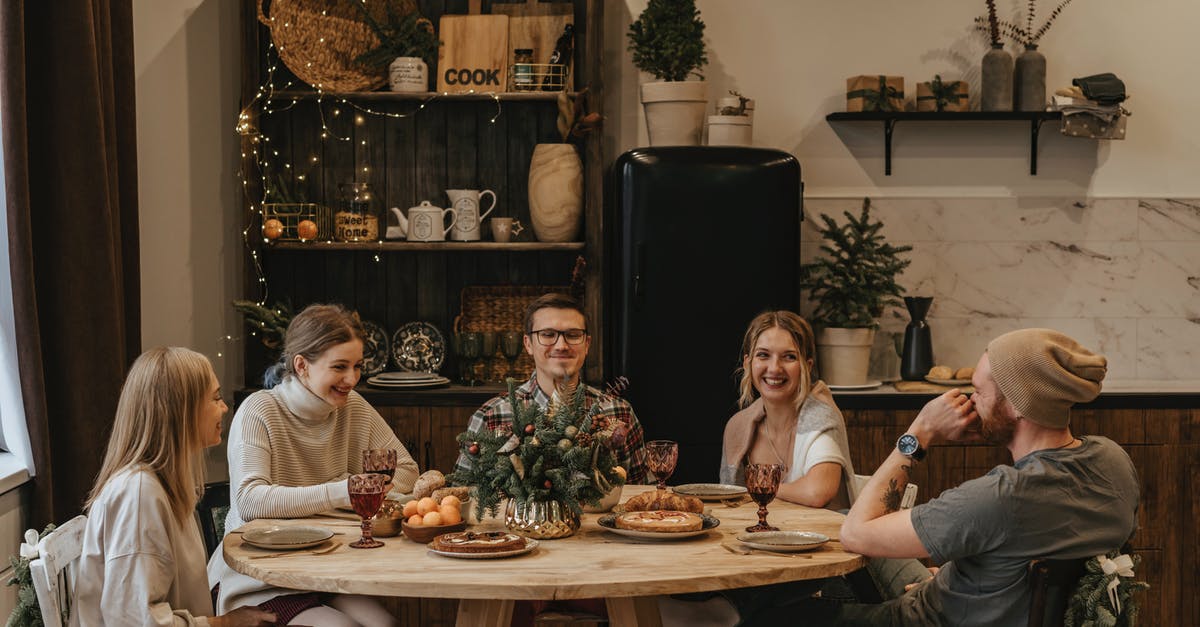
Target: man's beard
(997,429)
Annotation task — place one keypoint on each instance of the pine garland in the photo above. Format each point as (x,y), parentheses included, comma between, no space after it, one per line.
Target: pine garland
(561,453)
(27,612)
(1090,606)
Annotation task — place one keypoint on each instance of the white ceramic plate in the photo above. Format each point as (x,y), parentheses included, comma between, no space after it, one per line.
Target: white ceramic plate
(530,544)
(783,541)
(710,491)
(406,376)
(609,524)
(408,385)
(865,386)
(287,537)
(948,381)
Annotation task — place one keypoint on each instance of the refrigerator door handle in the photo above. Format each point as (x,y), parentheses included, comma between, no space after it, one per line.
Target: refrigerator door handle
(639,294)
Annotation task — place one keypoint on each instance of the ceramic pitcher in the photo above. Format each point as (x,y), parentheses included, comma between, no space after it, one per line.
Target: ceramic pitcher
(466,202)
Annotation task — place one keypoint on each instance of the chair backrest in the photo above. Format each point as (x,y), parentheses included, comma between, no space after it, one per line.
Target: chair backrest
(211,509)
(907,500)
(1052,582)
(53,571)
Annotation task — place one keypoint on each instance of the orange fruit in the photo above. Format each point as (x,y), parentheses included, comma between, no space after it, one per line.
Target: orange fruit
(426,505)
(307,229)
(410,508)
(433,519)
(450,499)
(416,519)
(272,228)
(450,514)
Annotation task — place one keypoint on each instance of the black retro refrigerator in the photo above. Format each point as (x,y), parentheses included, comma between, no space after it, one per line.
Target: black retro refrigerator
(700,240)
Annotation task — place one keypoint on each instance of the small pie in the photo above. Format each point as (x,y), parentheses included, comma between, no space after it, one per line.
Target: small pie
(478,542)
(662,520)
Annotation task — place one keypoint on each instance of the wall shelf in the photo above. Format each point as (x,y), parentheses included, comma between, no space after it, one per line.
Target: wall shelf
(889,119)
(525,96)
(507,247)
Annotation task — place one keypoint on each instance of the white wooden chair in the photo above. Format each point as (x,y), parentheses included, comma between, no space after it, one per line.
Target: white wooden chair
(908,499)
(53,571)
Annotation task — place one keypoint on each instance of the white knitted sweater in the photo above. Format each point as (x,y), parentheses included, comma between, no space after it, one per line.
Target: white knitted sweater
(289,455)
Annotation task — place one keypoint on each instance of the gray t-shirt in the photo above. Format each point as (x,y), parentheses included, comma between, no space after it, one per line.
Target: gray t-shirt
(1055,503)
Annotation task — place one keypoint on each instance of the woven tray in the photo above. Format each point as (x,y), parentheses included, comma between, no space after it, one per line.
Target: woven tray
(498,307)
(318,41)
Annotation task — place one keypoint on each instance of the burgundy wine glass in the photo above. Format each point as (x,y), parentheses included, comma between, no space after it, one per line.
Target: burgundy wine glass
(380,461)
(366,496)
(762,481)
(661,457)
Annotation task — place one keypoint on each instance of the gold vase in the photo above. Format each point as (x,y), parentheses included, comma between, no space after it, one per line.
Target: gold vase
(541,520)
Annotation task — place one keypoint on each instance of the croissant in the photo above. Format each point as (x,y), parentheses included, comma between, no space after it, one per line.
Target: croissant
(654,500)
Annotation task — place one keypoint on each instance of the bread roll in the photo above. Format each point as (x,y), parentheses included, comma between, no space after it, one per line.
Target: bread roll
(964,373)
(462,492)
(655,500)
(429,481)
(941,372)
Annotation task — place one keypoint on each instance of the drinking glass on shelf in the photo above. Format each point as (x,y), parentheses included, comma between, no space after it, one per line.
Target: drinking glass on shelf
(762,481)
(488,351)
(470,344)
(511,346)
(661,457)
(366,496)
(380,461)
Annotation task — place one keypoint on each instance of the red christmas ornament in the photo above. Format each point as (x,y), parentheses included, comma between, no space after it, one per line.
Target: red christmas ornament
(529,429)
(474,448)
(548,484)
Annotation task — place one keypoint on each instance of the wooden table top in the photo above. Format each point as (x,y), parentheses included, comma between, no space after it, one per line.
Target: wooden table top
(593,563)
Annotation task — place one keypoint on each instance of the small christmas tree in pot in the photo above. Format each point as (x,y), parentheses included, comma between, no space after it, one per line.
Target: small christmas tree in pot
(851,284)
(548,466)
(667,41)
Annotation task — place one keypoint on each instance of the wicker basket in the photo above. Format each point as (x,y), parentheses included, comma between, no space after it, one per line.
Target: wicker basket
(500,308)
(318,41)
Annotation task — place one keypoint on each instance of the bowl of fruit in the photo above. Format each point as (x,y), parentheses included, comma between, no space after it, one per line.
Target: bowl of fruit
(424,519)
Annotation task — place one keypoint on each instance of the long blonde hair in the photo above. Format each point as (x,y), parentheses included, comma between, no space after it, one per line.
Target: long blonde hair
(157,425)
(802,335)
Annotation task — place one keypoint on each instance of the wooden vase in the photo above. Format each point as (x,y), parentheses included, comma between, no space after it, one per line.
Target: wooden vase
(556,193)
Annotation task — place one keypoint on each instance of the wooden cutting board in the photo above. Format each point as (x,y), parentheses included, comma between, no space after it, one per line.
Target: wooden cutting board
(474,54)
(537,25)
(927,387)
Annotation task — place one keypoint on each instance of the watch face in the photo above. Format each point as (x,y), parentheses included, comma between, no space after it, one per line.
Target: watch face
(908,444)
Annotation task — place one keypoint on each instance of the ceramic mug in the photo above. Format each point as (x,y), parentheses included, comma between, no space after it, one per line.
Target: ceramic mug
(504,229)
(425,222)
(466,203)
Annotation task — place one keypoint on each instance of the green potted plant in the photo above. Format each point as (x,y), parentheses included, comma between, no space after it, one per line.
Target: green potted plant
(667,41)
(407,45)
(851,284)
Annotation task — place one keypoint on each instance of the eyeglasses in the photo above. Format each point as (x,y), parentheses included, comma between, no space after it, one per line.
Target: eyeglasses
(549,337)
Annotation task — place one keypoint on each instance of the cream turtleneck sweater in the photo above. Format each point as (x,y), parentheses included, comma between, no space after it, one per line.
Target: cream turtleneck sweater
(289,455)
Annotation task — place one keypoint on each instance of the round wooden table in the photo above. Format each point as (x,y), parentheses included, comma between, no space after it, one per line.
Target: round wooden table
(594,563)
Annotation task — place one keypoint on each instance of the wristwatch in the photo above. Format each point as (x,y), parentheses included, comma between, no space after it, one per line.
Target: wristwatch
(910,447)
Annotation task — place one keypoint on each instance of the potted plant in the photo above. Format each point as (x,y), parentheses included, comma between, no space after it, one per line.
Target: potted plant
(407,44)
(732,125)
(851,284)
(667,41)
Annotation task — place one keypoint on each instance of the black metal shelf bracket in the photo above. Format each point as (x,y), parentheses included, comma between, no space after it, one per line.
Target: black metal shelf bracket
(889,119)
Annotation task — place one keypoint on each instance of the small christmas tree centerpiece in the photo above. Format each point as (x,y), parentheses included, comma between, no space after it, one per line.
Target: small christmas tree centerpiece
(561,454)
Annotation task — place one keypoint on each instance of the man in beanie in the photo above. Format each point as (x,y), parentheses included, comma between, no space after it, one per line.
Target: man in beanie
(1064,496)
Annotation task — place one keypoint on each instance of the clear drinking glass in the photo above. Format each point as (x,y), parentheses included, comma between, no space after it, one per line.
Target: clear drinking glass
(511,346)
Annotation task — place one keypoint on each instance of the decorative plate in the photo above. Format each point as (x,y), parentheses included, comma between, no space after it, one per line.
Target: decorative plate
(406,377)
(710,491)
(948,381)
(862,386)
(407,385)
(375,349)
(287,537)
(609,523)
(530,544)
(419,347)
(783,541)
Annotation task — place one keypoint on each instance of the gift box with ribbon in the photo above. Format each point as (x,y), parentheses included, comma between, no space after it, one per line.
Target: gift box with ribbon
(875,93)
(939,95)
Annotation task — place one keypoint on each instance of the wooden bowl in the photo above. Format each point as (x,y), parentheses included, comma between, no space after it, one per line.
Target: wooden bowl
(386,526)
(423,534)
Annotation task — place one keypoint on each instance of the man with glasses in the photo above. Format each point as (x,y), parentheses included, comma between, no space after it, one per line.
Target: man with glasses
(556,337)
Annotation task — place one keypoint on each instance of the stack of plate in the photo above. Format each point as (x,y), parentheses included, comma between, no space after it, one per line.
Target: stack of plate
(407,380)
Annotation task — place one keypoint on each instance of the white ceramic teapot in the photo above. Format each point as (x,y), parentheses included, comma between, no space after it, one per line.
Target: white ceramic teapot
(424,222)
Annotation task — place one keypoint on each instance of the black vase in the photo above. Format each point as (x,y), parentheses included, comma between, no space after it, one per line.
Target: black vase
(918,342)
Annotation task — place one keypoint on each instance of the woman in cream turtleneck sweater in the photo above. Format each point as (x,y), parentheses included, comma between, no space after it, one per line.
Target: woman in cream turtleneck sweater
(291,449)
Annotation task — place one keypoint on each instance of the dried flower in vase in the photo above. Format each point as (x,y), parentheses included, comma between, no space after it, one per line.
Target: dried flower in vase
(1026,36)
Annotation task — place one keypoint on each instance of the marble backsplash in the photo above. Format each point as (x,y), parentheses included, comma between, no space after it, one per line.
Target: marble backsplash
(1121,275)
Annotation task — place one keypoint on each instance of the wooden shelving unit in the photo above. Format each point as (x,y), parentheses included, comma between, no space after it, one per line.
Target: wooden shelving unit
(1035,119)
(445,247)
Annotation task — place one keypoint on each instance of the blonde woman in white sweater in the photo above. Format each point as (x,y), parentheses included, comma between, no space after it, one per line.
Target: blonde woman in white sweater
(291,448)
(143,559)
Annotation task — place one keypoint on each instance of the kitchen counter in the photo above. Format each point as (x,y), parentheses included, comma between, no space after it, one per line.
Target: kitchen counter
(1116,394)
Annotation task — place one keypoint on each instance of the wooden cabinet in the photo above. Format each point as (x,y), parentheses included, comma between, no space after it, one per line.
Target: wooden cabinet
(1164,445)
(429,432)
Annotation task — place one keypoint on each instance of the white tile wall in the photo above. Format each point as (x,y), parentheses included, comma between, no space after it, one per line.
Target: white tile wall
(1121,275)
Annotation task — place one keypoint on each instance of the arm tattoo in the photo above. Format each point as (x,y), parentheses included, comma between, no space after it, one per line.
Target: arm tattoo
(894,492)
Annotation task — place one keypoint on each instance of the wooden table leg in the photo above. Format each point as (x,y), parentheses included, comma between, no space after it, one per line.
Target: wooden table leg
(484,613)
(633,612)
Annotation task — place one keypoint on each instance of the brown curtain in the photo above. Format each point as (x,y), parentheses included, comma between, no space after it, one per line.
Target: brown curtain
(67,89)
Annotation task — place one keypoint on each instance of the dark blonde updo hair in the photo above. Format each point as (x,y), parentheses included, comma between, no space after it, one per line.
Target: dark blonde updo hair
(311,333)
(802,335)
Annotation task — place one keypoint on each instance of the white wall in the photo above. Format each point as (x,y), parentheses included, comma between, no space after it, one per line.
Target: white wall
(793,58)
(187,70)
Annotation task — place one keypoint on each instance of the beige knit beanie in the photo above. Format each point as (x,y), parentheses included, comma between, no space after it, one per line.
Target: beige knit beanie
(1043,372)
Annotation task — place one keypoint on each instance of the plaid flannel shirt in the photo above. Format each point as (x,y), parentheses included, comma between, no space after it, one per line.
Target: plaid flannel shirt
(497,413)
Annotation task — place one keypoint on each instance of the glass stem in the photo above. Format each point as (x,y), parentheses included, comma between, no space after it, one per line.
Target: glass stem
(762,515)
(366,531)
